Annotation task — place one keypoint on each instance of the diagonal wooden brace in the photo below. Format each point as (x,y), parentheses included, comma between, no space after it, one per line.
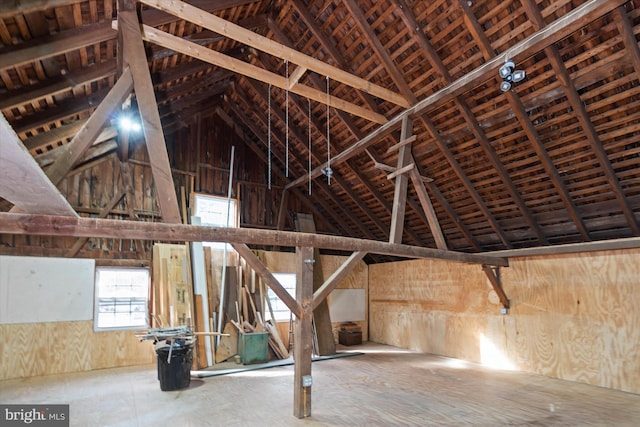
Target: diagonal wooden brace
(494,278)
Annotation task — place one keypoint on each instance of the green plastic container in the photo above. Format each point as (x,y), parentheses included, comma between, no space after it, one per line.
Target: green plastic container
(252,348)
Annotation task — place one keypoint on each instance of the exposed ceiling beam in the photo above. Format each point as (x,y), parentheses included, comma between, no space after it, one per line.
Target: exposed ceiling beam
(59,84)
(380,51)
(105,143)
(224,61)
(65,41)
(50,225)
(557,30)
(626,30)
(396,229)
(430,213)
(242,35)
(446,151)
(23,182)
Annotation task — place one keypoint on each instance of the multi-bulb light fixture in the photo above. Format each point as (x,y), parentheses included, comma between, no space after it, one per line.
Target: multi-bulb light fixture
(510,75)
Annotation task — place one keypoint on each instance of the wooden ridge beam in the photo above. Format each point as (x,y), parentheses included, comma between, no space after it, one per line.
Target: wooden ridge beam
(49,225)
(257,41)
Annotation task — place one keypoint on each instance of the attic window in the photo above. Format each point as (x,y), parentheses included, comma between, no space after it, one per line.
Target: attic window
(122,296)
(215,211)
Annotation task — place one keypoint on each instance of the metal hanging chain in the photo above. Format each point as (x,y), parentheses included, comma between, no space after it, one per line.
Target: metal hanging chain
(269,136)
(286,107)
(309,132)
(328,171)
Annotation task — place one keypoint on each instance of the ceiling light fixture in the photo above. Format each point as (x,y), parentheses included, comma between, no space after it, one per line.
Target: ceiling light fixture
(510,75)
(128,124)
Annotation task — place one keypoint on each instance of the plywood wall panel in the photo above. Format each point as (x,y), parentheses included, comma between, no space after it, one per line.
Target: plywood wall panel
(573,316)
(35,349)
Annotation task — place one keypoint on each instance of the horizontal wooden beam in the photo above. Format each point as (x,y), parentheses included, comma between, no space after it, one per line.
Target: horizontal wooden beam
(397,146)
(401,171)
(570,248)
(224,61)
(48,225)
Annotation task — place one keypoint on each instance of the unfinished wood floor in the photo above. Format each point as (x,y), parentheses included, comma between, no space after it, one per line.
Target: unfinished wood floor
(385,387)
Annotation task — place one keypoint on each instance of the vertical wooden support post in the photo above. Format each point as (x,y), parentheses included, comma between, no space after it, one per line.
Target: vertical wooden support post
(402,182)
(303,333)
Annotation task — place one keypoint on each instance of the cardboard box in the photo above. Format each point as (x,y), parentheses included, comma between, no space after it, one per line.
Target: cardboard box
(350,337)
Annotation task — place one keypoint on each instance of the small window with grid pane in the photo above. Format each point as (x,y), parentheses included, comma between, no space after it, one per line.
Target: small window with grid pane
(122,296)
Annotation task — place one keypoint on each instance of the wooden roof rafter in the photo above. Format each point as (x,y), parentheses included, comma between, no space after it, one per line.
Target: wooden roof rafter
(583,117)
(550,34)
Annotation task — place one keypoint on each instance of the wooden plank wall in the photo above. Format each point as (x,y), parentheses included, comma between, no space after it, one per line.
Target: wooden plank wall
(573,316)
(34,349)
(284,262)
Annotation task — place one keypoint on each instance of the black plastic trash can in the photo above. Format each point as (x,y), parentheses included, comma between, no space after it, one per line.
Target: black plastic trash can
(174,370)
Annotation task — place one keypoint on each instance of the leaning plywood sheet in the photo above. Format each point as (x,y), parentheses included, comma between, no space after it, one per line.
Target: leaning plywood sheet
(172,291)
